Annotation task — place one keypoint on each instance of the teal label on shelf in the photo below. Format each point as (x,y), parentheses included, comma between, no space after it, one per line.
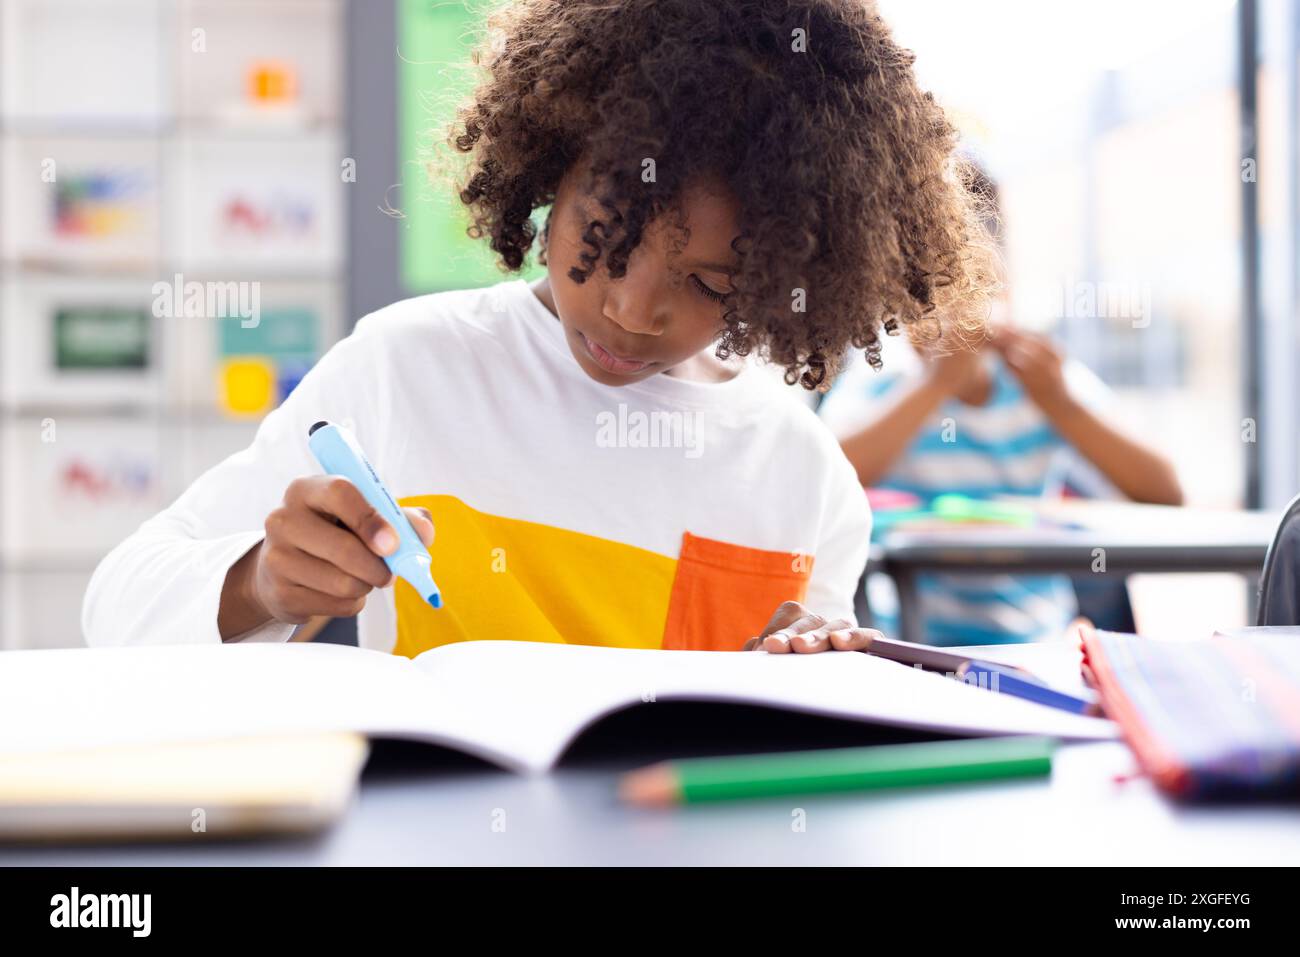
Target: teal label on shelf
(281,334)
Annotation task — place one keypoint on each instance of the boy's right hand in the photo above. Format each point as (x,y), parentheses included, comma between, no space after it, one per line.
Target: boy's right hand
(321,556)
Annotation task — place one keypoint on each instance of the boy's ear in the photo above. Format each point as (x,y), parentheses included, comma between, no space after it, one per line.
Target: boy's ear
(545,235)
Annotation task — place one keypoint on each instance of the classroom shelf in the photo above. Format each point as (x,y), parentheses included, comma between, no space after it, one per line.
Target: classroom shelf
(139,140)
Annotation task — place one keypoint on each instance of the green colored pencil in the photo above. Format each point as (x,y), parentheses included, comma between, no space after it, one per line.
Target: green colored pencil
(840,769)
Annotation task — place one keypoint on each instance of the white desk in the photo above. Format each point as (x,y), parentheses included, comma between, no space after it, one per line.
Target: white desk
(421,806)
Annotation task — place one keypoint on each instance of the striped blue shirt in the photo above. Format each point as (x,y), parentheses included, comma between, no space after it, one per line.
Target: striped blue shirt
(1005,447)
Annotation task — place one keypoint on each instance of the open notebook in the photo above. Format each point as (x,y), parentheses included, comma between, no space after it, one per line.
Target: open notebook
(516,704)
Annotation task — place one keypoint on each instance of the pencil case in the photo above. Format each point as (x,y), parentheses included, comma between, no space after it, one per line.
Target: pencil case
(1208,719)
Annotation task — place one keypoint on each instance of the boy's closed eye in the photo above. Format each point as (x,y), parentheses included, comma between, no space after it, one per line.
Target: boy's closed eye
(708,291)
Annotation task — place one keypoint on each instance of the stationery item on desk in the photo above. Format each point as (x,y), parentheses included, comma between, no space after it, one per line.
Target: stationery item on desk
(888,519)
(842,769)
(890,499)
(929,657)
(954,511)
(1207,718)
(338,453)
(944,511)
(242,786)
(519,704)
(963,508)
(1006,680)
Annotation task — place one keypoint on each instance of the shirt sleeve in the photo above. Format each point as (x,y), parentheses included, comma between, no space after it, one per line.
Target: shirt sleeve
(841,555)
(163,584)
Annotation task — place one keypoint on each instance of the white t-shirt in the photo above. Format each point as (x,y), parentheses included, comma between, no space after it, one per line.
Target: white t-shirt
(665,513)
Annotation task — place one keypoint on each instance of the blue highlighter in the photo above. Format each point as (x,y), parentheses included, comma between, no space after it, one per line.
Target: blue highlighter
(338,453)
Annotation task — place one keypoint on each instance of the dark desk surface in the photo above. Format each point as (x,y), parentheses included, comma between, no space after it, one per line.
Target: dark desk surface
(1135,538)
(422,805)
(1118,538)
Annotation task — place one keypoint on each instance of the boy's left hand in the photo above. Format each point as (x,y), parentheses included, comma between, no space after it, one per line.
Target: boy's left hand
(796,629)
(1037,363)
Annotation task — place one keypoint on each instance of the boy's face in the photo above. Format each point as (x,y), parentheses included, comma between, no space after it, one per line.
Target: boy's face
(666,309)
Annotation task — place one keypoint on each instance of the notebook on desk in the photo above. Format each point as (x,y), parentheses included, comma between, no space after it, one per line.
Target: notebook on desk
(516,704)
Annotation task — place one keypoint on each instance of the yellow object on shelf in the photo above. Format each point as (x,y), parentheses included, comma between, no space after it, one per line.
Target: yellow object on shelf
(247,385)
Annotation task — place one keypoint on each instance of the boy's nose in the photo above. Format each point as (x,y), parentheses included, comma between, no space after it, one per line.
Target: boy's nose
(635,308)
(639,320)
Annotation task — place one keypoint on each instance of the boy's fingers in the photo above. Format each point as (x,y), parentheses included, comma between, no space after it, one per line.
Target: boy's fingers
(818,639)
(809,643)
(338,497)
(796,629)
(1016,357)
(1038,341)
(807,623)
(304,603)
(853,639)
(422,521)
(339,547)
(314,573)
(1029,352)
(787,613)
(1039,348)
(782,640)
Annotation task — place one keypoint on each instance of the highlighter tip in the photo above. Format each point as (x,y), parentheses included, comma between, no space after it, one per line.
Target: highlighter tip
(435,600)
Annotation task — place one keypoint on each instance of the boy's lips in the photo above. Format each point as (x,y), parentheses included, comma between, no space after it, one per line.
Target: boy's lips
(609,361)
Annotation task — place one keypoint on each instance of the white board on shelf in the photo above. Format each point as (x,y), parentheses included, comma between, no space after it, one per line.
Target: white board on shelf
(78,64)
(74,486)
(82,201)
(79,342)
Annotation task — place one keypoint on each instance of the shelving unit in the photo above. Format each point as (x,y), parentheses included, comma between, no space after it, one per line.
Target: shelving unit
(141,140)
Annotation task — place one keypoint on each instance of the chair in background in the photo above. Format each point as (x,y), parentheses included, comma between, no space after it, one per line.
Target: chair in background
(1104,602)
(1279,585)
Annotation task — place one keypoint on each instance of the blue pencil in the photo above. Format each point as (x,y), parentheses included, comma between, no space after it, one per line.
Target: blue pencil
(984,674)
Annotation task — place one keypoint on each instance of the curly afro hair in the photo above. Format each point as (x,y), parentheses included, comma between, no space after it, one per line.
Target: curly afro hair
(854,212)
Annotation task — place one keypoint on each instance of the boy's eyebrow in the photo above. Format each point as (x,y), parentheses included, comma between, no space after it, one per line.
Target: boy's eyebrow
(726,268)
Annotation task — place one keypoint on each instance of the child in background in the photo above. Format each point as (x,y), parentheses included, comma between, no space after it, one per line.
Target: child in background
(723,178)
(1012,417)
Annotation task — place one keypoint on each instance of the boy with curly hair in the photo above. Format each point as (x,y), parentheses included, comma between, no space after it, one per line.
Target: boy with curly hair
(600,463)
